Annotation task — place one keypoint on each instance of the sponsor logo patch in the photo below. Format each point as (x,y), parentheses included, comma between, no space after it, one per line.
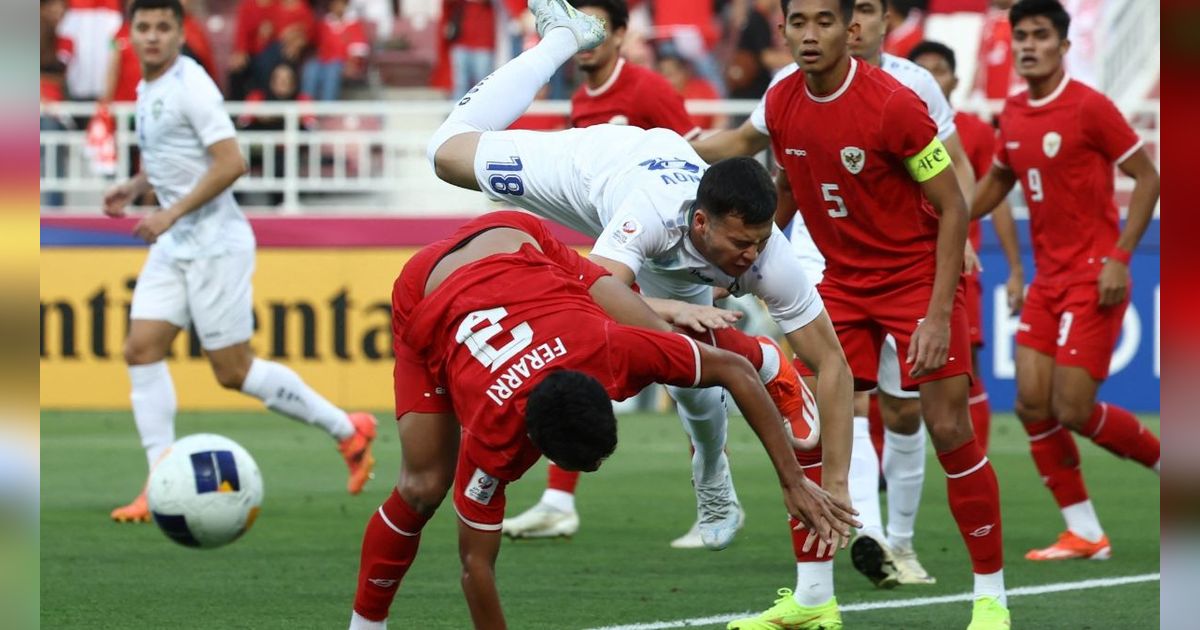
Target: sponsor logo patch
(482,487)
(628,231)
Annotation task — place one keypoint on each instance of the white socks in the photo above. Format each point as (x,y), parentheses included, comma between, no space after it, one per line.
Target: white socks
(990,585)
(702,412)
(559,500)
(814,583)
(152,395)
(495,102)
(770,363)
(904,469)
(358,622)
(1082,521)
(283,391)
(864,480)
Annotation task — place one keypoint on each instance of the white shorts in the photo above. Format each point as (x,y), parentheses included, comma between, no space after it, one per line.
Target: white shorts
(212,293)
(806,250)
(889,371)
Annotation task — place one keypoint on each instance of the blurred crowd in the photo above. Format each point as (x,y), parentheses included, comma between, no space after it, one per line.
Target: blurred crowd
(317,49)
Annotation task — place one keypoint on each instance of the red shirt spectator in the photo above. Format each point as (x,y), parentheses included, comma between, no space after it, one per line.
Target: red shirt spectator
(254,28)
(56,52)
(340,38)
(294,16)
(678,72)
(477,25)
(995,75)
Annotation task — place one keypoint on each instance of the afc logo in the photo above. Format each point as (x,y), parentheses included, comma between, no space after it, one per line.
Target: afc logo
(481,487)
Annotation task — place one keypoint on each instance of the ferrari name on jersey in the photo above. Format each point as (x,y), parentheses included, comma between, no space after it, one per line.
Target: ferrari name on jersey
(519,372)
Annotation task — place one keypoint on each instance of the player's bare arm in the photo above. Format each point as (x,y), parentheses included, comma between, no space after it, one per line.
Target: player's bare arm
(674,312)
(816,344)
(1006,233)
(727,143)
(226,167)
(931,340)
(965,174)
(828,517)
(119,196)
(478,551)
(785,207)
(992,190)
(1114,277)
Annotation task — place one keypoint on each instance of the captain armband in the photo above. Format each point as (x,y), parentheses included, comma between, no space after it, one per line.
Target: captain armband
(933,159)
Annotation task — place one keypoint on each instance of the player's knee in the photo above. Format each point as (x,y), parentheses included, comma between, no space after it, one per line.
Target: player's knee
(1072,414)
(136,352)
(231,376)
(424,491)
(1031,411)
(947,436)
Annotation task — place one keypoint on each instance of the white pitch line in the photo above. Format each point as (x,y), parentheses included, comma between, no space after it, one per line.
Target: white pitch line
(911,602)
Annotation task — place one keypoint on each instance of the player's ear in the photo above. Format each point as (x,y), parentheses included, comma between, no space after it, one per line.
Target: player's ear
(1064,46)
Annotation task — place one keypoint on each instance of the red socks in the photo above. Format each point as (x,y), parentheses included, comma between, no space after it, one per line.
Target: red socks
(562,480)
(1120,432)
(733,340)
(981,412)
(1057,459)
(974,498)
(389,546)
(811,460)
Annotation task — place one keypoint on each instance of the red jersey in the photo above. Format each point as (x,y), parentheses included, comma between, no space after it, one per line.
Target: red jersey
(253,29)
(979,142)
(339,39)
(701,90)
(902,39)
(995,75)
(477,28)
(848,173)
(634,96)
(495,327)
(293,15)
(1062,148)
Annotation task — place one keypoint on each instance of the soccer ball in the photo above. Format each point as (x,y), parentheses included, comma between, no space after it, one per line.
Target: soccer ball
(205,492)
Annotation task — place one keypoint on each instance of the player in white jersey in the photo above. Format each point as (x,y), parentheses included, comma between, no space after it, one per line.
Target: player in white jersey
(886,560)
(201,255)
(662,218)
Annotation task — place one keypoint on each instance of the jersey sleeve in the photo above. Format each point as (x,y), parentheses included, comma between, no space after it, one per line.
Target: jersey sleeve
(204,109)
(1107,129)
(935,101)
(758,117)
(639,357)
(667,110)
(910,134)
(791,298)
(1000,157)
(635,234)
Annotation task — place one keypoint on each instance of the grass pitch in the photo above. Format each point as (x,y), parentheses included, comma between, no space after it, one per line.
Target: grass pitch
(296,568)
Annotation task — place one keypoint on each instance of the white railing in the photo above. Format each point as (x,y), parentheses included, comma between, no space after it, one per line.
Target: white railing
(362,156)
(1127,42)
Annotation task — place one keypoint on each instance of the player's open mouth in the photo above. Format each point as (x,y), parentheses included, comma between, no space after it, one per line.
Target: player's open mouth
(1027,60)
(810,55)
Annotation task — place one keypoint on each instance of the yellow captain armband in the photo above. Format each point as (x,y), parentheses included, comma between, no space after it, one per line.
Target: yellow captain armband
(933,159)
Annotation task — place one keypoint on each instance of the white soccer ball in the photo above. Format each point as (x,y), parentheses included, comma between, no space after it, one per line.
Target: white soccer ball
(206,491)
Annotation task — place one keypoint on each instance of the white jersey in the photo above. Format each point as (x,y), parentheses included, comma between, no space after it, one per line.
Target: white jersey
(913,77)
(634,190)
(179,115)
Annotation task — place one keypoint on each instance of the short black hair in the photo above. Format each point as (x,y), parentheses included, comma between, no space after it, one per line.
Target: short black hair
(617,10)
(738,186)
(570,419)
(1052,9)
(930,47)
(174,6)
(845,6)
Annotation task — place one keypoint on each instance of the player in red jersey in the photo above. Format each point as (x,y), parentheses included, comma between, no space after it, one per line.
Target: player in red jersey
(505,352)
(1061,140)
(861,157)
(979,141)
(622,93)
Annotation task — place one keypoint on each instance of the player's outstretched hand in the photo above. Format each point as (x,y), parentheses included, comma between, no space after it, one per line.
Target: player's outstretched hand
(929,347)
(116,199)
(1015,288)
(701,318)
(828,519)
(1113,283)
(153,225)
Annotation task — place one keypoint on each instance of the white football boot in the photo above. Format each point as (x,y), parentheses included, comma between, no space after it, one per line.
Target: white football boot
(541,521)
(550,14)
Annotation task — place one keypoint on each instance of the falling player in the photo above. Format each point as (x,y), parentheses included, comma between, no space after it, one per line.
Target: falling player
(1060,139)
(507,351)
(201,255)
(616,92)
(664,218)
(861,157)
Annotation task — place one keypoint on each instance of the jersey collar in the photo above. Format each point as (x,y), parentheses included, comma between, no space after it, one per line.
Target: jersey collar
(841,90)
(609,83)
(1049,98)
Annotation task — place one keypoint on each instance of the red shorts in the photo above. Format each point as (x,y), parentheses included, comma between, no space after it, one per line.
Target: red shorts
(478,496)
(417,389)
(974,302)
(1068,324)
(863,317)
